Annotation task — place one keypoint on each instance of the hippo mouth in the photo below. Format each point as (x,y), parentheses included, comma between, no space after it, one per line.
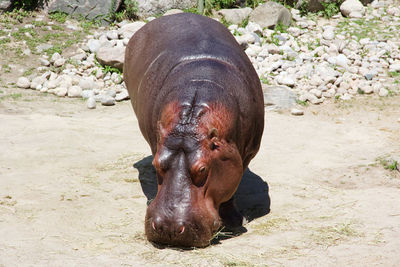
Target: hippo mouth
(192,229)
(186,237)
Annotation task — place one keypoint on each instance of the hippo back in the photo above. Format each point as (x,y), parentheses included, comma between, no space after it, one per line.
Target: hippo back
(163,45)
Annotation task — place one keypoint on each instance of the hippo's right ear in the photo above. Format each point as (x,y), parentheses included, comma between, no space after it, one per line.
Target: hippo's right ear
(213,132)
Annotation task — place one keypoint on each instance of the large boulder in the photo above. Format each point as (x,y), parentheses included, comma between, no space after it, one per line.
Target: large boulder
(111,56)
(5,5)
(234,15)
(268,15)
(351,6)
(89,9)
(155,7)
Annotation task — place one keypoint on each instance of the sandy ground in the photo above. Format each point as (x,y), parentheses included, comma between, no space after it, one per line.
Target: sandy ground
(70,196)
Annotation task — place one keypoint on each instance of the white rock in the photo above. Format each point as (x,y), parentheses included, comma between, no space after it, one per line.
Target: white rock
(91,103)
(394,67)
(254,27)
(23,82)
(383,92)
(75,91)
(294,31)
(342,61)
(37,81)
(273,49)
(285,80)
(94,45)
(59,62)
(328,33)
(123,95)
(316,92)
(296,112)
(173,11)
(107,100)
(356,15)
(54,57)
(44,62)
(86,83)
(250,52)
(128,30)
(350,6)
(87,94)
(367,89)
(61,91)
(346,97)
(112,35)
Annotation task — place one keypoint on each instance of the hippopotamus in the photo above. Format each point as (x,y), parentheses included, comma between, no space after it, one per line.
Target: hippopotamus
(199,105)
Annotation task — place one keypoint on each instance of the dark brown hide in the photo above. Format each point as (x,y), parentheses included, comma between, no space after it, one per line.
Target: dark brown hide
(200,107)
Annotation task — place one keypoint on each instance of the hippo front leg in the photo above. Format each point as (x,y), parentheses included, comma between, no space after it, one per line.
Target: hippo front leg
(232,219)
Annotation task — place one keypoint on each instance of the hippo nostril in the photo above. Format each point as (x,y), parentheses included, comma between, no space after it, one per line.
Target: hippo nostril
(181,229)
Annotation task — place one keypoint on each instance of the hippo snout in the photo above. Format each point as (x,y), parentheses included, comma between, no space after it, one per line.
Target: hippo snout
(163,226)
(184,230)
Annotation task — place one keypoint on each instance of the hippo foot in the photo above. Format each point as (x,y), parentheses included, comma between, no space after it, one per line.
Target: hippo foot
(232,219)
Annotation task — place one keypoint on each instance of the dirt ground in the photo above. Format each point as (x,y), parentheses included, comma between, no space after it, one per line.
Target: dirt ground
(70,196)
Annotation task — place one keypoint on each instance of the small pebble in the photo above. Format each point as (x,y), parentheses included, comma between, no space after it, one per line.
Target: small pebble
(296,112)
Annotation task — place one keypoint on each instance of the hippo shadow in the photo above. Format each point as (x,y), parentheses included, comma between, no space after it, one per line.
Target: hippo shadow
(251,198)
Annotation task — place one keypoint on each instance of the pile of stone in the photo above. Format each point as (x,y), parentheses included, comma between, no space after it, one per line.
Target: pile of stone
(317,60)
(312,61)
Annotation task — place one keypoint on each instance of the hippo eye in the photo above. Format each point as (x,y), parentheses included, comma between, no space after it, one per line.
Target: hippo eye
(202,170)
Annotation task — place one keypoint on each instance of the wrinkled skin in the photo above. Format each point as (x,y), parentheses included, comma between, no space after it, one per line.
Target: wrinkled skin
(200,107)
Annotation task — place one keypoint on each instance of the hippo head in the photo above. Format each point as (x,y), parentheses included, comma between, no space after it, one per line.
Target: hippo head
(198,168)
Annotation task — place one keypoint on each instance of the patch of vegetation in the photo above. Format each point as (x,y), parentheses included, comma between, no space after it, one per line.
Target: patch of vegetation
(60,17)
(264,80)
(270,225)
(244,23)
(28,72)
(282,28)
(331,235)
(87,25)
(331,8)
(129,11)
(224,22)
(389,164)
(14,96)
(361,28)
(5,40)
(303,103)
(25,4)
(394,73)
(6,68)
(303,8)
(39,23)
(110,69)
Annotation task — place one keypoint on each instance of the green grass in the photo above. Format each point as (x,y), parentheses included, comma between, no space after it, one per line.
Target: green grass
(6,68)
(110,69)
(388,164)
(58,16)
(394,73)
(28,72)
(13,96)
(264,80)
(303,103)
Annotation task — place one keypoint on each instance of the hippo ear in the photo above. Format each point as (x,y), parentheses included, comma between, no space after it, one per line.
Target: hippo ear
(213,132)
